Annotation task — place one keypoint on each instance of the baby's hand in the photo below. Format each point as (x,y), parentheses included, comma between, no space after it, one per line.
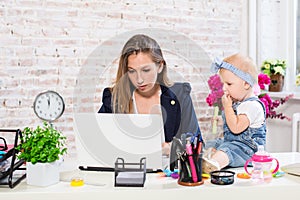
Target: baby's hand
(226,100)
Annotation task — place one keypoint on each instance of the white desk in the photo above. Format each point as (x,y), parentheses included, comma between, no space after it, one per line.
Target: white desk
(287,187)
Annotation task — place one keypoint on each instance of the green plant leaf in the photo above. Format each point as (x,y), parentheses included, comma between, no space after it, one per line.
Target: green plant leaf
(42,144)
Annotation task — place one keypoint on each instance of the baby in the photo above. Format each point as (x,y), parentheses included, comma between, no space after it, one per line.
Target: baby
(244,115)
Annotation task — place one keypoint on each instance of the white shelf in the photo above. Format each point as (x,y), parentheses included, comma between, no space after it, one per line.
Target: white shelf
(284,94)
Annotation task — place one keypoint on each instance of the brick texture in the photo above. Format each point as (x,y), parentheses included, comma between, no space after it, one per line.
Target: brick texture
(54,45)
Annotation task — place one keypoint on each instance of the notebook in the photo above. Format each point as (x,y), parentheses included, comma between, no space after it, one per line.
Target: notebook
(101,138)
(293,169)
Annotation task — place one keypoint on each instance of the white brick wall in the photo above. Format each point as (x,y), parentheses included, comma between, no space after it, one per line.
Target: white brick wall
(45,45)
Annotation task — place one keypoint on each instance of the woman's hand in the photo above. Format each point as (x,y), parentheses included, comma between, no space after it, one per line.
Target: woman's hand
(166,148)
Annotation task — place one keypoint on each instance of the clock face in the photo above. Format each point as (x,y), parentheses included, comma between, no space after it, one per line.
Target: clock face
(49,106)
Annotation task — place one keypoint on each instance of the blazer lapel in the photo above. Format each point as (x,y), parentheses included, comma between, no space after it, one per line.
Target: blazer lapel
(171,112)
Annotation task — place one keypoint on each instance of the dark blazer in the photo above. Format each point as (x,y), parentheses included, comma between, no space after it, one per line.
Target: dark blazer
(177,110)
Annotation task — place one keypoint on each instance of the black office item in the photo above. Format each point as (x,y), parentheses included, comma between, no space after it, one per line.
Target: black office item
(8,176)
(110,169)
(130,174)
(222,177)
(99,169)
(176,149)
(186,155)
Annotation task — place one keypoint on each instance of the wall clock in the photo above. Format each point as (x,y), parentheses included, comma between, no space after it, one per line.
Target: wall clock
(49,105)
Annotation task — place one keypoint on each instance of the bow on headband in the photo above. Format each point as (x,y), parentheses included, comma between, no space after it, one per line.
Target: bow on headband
(218,64)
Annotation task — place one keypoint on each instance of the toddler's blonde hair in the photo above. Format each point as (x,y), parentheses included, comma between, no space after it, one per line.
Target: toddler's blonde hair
(244,63)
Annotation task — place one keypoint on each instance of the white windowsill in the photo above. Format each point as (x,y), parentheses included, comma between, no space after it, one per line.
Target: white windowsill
(284,94)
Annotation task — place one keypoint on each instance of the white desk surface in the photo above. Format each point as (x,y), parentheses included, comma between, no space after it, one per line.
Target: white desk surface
(157,187)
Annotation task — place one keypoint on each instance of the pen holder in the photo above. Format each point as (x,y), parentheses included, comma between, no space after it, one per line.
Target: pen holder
(190,169)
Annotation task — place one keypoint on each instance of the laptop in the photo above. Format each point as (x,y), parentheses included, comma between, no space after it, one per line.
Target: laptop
(101,138)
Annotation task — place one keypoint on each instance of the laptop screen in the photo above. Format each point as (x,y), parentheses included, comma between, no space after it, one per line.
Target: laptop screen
(101,138)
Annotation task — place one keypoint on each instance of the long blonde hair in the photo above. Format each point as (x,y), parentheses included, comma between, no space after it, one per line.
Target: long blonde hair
(123,88)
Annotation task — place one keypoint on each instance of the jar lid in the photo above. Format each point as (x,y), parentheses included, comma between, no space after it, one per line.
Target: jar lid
(222,177)
(261,158)
(261,155)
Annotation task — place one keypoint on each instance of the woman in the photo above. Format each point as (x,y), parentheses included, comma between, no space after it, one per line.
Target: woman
(142,86)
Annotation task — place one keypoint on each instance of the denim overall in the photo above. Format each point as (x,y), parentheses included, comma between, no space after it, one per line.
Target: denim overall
(241,147)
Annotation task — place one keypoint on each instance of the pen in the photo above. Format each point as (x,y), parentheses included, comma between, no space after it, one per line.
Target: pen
(186,164)
(101,169)
(191,161)
(199,147)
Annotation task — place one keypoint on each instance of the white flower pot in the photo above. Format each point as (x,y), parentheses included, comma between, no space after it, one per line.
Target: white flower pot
(42,174)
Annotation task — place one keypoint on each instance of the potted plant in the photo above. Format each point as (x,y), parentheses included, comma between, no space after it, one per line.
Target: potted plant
(298,80)
(275,69)
(42,149)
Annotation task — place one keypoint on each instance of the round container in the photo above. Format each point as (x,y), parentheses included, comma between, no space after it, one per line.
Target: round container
(77,181)
(222,177)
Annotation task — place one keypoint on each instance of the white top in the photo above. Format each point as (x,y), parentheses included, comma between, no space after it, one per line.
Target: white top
(157,110)
(254,111)
(135,110)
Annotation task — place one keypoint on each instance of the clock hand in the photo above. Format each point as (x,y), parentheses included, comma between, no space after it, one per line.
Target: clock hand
(48,100)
